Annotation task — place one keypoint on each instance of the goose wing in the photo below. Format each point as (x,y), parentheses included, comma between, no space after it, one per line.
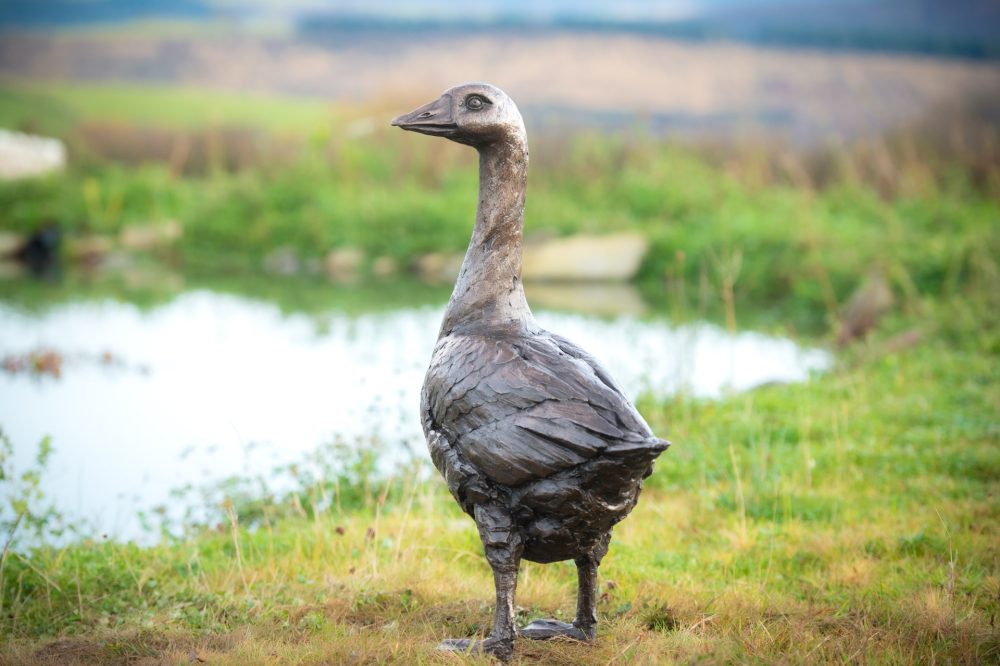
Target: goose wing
(523,408)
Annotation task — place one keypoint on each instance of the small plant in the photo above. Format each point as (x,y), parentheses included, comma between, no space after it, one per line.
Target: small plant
(25,515)
(26,518)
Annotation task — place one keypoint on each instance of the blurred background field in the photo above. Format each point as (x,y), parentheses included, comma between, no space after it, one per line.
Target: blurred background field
(217,303)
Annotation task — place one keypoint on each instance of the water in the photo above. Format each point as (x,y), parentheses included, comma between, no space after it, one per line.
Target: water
(211,385)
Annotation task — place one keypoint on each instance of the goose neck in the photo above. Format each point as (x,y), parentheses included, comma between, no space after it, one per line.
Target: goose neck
(488,292)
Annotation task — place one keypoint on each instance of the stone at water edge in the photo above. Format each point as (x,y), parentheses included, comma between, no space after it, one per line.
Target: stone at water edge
(438,267)
(344,263)
(597,298)
(384,267)
(150,236)
(90,249)
(10,242)
(25,155)
(283,260)
(583,257)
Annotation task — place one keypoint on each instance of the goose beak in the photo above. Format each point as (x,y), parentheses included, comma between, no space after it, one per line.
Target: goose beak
(434,118)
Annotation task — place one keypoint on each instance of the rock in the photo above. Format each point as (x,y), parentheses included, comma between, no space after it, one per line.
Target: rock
(597,298)
(90,249)
(314,266)
(869,303)
(10,243)
(344,263)
(24,155)
(151,236)
(439,267)
(611,258)
(384,267)
(282,261)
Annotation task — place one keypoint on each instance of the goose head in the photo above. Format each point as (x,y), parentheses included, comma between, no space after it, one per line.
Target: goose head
(476,114)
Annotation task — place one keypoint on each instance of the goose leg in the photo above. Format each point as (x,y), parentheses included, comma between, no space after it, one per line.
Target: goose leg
(584,627)
(503,548)
(586,598)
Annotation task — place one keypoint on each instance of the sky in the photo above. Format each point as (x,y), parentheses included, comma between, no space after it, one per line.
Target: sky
(49,12)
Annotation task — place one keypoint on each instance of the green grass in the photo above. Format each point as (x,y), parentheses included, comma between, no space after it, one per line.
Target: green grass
(390,194)
(56,107)
(851,519)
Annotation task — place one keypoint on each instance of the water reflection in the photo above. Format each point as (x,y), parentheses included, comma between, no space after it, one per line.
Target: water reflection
(232,385)
(599,298)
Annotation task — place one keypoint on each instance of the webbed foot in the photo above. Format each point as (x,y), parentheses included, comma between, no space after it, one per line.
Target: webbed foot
(499,648)
(542,630)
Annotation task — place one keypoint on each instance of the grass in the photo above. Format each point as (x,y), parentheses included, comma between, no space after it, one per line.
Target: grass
(806,231)
(851,519)
(56,108)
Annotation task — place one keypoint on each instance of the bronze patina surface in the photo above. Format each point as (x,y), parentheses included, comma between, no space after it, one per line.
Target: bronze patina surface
(534,438)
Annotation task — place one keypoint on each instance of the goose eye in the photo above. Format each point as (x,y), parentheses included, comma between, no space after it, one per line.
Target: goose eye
(474,102)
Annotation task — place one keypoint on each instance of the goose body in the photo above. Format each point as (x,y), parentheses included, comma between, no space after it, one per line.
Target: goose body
(534,439)
(531,421)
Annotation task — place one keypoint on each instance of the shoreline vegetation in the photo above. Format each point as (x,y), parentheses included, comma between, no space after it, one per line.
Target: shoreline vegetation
(297,187)
(852,518)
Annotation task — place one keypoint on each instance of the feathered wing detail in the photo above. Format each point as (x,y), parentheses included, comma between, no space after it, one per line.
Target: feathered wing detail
(522,409)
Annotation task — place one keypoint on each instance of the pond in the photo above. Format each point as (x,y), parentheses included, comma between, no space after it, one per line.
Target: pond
(207,384)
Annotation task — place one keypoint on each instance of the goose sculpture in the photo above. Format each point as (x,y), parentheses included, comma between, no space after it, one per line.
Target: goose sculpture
(535,440)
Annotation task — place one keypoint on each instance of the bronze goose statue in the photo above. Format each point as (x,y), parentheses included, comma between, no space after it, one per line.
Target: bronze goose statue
(535,440)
